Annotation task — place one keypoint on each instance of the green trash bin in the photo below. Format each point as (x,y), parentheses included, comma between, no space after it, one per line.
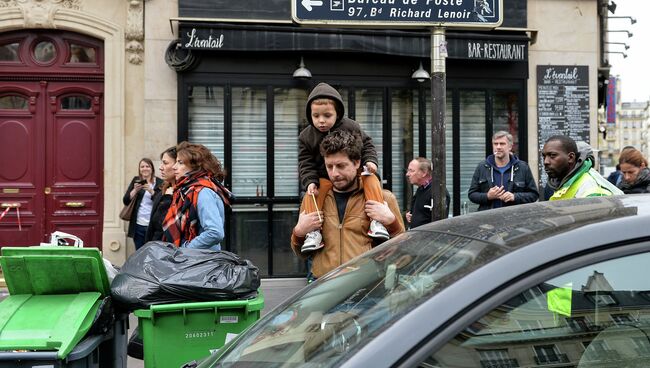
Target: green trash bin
(57,295)
(174,334)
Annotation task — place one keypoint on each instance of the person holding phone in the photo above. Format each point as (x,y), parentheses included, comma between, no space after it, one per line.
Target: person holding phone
(141,190)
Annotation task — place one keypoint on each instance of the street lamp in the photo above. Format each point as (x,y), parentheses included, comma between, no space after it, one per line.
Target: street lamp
(302,72)
(420,74)
(619,43)
(629,34)
(632,20)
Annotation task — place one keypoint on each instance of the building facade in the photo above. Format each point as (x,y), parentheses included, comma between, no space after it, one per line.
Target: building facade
(222,75)
(630,129)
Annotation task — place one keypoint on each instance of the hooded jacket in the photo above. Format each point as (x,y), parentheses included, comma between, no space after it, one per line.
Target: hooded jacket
(310,162)
(582,181)
(517,179)
(640,185)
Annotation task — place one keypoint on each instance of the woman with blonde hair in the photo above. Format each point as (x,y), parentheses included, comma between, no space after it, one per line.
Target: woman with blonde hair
(141,190)
(636,175)
(196,216)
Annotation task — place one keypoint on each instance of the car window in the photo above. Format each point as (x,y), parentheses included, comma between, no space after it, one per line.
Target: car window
(596,316)
(345,309)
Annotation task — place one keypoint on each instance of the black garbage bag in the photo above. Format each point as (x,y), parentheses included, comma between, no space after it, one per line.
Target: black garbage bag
(161,273)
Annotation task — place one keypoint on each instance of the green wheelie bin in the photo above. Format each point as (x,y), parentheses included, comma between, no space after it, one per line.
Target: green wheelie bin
(59,311)
(174,334)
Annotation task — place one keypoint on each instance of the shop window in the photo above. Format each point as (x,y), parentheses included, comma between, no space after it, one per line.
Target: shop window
(81,54)
(44,52)
(249,235)
(505,116)
(289,108)
(9,52)
(76,103)
(249,145)
(13,102)
(206,118)
(403,144)
(285,263)
(345,97)
(472,142)
(369,114)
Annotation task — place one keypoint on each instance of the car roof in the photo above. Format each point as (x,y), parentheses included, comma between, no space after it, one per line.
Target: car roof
(518,226)
(530,237)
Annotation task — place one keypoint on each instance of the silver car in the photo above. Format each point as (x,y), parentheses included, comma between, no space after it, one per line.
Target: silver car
(557,284)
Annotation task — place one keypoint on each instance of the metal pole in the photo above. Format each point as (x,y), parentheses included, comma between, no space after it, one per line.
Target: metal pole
(438,105)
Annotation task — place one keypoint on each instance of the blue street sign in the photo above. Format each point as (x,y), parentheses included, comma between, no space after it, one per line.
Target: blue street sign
(409,13)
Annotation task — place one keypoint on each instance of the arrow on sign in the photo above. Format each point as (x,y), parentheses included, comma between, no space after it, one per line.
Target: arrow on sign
(309,3)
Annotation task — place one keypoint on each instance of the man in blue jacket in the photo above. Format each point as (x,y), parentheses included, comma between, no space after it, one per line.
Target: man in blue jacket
(502,179)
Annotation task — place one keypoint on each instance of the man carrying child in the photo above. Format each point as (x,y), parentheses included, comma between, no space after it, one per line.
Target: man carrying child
(326,114)
(346,211)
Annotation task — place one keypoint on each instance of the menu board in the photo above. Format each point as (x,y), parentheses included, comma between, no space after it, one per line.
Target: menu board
(562,105)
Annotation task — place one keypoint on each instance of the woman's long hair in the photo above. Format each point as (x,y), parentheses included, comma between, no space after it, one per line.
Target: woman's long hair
(633,157)
(199,157)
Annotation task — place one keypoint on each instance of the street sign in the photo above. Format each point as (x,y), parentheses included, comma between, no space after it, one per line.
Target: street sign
(401,13)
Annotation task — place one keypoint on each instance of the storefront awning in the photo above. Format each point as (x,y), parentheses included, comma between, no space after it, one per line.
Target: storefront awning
(497,46)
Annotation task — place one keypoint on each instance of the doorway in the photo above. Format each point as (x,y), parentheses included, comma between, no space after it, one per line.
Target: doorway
(51,137)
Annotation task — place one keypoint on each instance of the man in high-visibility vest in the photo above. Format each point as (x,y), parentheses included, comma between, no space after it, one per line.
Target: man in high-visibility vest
(570,170)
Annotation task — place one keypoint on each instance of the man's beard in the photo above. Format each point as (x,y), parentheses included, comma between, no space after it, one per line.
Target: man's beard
(552,174)
(349,186)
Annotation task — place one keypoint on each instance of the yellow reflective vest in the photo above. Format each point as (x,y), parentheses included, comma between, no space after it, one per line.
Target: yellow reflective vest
(586,182)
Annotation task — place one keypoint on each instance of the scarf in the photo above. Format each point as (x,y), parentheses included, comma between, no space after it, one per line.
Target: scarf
(181,223)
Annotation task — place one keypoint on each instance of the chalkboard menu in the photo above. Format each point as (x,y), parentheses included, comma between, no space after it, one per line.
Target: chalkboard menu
(562,105)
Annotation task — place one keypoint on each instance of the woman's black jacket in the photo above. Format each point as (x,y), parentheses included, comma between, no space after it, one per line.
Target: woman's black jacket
(138,198)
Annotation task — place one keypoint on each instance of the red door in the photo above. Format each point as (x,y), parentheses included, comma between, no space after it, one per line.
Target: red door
(51,144)
(73,160)
(51,137)
(22,164)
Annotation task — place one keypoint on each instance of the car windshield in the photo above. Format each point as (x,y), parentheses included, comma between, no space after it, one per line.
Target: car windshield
(346,308)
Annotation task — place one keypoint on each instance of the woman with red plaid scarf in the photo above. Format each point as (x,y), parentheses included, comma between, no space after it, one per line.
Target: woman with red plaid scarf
(196,215)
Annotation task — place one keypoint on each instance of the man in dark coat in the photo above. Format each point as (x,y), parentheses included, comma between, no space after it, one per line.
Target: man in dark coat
(419,173)
(502,179)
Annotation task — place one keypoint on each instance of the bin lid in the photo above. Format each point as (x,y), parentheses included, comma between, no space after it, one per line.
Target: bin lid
(249,305)
(54,270)
(46,322)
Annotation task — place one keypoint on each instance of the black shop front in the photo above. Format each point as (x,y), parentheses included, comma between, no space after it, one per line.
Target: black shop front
(237,94)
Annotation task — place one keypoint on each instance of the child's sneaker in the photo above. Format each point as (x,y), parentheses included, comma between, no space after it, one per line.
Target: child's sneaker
(377,230)
(313,241)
